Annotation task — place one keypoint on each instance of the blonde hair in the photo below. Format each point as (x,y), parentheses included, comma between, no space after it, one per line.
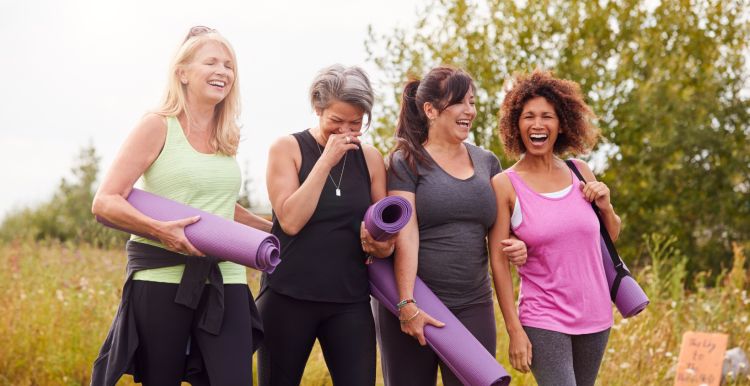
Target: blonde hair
(225,134)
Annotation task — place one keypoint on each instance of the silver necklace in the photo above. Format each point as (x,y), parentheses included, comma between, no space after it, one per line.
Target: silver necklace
(338,190)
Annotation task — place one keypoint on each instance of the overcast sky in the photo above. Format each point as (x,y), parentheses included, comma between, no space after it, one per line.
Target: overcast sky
(78,71)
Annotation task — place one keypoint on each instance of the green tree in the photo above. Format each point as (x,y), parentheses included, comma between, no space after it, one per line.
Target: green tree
(666,82)
(67,215)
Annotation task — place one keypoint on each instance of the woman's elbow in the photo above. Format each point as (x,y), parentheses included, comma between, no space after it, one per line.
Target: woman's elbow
(289,229)
(97,207)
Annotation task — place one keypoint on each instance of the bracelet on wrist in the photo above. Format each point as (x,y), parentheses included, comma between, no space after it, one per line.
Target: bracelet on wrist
(405,302)
(412,317)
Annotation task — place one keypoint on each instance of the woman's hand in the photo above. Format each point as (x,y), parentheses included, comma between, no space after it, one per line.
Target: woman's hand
(173,236)
(516,251)
(415,327)
(596,192)
(373,247)
(337,146)
(519,351)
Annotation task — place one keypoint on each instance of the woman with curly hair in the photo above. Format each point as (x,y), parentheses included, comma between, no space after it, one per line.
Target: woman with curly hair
(564,314)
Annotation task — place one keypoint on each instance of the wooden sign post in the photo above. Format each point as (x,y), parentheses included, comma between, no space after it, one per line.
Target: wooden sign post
(701,359)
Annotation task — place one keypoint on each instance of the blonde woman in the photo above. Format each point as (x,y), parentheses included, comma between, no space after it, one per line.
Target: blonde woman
(183,315)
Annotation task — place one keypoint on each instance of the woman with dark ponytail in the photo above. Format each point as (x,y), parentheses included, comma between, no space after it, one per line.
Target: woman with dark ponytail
(448,183)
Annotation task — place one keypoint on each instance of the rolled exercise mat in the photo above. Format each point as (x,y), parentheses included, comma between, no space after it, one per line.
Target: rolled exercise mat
(213,235)
(453,343)
(387,216)
(631,299)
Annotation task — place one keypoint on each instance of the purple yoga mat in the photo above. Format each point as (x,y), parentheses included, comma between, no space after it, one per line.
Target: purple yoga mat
(387,216)
(213,235)
(631,299)
(453,343)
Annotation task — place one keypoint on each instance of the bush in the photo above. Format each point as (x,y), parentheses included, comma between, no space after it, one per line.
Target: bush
(67,215)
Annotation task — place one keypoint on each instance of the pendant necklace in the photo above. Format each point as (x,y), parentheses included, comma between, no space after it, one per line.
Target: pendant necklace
(338,190)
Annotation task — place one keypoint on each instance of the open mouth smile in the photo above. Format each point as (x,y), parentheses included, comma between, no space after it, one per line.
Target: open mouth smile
(217,84)
(538,139)
(464,123)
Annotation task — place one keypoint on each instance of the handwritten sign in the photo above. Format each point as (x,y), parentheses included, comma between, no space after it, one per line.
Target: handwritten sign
(701,358)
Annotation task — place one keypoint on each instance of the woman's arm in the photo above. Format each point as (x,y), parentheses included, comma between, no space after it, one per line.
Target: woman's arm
(599,193)
(244,216)
(137,153)
(520,347)
(376,166)
(292,203)
(405,267)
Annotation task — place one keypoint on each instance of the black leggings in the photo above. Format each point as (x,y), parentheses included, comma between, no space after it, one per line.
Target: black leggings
(407,363)
(164,329)
(346,332)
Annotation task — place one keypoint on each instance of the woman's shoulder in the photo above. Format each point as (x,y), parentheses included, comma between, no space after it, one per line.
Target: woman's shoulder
(483,153)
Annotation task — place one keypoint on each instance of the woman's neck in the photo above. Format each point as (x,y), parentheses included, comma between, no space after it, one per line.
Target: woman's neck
(531,162)
(439,144)
(201,115)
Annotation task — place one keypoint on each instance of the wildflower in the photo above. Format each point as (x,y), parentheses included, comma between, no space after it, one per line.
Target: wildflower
(624,321)
(611,351)
(651,351)
(743,319)
(60,296)
(706,307)
(747,329)
(743,295)
(23,296)
(624,365)
(101,292)
(668,354)
(83,283)
(674,304)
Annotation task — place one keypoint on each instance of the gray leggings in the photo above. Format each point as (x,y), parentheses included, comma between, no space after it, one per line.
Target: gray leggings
(566,360)
(407,363)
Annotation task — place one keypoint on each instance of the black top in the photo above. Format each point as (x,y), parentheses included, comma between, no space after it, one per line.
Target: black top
(324,261)
(115,356)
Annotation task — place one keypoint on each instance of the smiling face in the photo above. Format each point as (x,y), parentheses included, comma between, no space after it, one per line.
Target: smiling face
(539,126)
(210,76)
(339,118)
(455,121)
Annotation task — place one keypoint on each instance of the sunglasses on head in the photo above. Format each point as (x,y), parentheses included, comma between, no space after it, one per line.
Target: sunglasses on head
(199,30)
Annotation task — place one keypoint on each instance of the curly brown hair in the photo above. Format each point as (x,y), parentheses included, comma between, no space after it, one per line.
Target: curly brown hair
(579,136)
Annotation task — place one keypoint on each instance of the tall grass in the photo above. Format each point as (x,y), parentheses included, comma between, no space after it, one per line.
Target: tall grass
(57,301)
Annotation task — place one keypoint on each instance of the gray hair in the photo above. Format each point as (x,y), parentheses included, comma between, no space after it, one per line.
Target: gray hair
(338,83)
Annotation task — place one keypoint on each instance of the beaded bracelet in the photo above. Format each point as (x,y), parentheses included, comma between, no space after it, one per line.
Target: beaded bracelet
(405,302)
(412,317)
(369,257)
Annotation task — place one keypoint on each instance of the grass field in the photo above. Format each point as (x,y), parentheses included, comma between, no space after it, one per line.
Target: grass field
(57,302)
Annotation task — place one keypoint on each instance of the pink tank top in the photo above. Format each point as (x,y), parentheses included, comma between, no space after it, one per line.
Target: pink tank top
(563,285)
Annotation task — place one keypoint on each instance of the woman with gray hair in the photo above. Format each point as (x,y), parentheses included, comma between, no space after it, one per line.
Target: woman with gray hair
(321,182)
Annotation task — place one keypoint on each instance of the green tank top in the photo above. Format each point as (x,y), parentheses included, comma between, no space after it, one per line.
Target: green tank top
(208,182)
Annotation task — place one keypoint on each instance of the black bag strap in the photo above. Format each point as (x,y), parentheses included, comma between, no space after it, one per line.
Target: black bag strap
(619,266)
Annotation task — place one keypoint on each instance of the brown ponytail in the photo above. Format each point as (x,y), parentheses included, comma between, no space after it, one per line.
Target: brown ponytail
(442,87)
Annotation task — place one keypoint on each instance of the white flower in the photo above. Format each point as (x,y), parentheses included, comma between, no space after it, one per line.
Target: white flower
(23,296)
(747,329)
(743,319)
(668,354)
(611,351)
(624,321)
(60,296)
(624,365)
(650,351)
(674,304)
